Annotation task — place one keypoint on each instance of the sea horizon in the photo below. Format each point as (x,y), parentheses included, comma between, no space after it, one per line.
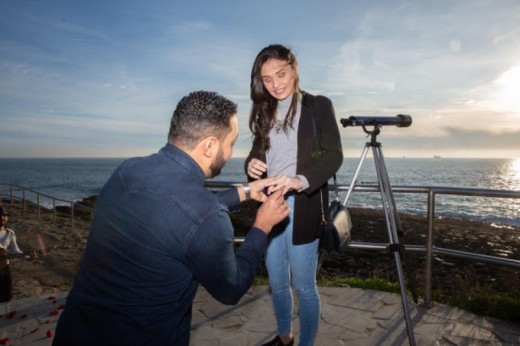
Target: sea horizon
(73,179)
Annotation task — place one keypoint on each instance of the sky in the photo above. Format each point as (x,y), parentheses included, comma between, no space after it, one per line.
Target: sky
(102,78)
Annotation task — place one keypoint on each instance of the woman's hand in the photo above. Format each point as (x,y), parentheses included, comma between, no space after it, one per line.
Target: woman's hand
(258,188)
(255,168)
(285,184)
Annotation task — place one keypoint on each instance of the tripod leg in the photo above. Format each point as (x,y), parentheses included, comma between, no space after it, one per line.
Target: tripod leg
(400,235)
(409,273)
(391,221)
(356,174)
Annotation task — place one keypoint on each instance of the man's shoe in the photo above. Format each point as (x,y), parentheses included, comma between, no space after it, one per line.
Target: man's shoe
(278,342)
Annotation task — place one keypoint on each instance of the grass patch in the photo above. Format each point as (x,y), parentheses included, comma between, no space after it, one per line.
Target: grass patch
(501,305)
(478,300)
(373,283)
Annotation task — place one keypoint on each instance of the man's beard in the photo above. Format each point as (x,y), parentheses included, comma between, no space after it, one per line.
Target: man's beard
(217,164)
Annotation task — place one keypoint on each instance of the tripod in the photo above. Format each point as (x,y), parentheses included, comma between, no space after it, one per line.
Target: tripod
(393,222)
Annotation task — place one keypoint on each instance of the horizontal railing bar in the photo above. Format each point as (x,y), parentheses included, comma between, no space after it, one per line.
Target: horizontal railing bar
(381,246)
(440,251)
(477,257)
(463,191)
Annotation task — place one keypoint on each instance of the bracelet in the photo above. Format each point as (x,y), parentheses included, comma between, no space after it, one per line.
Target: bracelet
(247,191)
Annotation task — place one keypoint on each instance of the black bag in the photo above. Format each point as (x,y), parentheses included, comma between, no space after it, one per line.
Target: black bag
(335,232)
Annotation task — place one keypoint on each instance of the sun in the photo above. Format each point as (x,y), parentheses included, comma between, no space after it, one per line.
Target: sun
(508,86)
(500,96)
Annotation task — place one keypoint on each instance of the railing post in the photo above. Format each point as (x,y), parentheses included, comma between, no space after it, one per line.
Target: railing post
(38,203)
(11,194)
(72,214)
(429,249)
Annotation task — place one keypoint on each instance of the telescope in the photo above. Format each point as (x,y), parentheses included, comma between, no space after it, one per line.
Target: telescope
(400,120)
(372,126)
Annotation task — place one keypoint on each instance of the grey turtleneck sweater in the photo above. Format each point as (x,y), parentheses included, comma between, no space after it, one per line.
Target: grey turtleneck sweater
(281,157)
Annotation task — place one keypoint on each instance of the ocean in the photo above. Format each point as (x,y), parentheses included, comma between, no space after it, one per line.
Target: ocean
(74,179)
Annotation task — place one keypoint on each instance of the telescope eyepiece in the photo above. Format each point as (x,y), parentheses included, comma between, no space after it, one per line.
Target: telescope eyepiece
(400,120)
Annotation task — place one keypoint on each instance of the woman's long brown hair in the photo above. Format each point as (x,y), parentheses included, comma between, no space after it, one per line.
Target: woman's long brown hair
(263,111)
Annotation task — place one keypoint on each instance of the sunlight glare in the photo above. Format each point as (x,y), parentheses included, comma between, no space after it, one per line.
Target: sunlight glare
(508,86)
(516,168)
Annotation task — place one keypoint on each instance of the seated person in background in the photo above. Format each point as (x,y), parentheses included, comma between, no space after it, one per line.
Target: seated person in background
(8,246)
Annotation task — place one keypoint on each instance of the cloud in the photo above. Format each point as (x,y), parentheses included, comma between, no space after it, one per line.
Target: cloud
(192,27)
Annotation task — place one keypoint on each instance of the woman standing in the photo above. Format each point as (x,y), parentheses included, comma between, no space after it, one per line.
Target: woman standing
(295,135)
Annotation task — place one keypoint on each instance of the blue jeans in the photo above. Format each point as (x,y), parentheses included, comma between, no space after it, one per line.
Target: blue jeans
(283,260)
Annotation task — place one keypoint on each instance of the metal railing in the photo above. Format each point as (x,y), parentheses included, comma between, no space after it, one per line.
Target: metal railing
(429,248)
(14,192)
(43,202)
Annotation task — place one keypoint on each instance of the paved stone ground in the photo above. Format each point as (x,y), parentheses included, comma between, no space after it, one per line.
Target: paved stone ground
(30,321)
(349,316)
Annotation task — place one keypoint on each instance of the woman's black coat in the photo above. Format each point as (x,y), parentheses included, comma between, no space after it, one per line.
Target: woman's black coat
(319,157)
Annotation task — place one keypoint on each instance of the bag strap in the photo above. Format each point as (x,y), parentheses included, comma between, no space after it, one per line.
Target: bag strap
(336,191)
(323,218)
(336,196)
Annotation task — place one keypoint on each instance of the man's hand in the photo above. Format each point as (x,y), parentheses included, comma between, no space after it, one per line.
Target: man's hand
(271,212)
(285,184)
(258,188)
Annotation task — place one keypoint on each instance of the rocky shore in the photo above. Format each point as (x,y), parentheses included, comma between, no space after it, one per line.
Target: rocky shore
(65,239)
(449,273)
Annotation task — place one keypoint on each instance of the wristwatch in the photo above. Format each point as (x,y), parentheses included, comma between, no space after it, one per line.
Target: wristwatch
(247,191)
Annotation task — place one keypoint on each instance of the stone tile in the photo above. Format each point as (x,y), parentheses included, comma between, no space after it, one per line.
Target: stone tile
(473,332)
(392,311)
